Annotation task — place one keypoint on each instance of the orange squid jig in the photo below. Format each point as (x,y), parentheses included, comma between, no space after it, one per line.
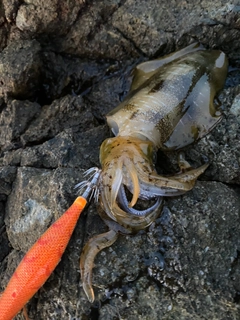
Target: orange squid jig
(43,257)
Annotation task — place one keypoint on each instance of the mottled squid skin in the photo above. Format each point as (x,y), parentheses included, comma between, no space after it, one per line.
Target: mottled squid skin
(171,104)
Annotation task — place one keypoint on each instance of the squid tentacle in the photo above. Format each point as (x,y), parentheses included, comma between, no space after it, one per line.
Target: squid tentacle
(135,182)
(124,203)
(90,250)
(116,183)
(184,181)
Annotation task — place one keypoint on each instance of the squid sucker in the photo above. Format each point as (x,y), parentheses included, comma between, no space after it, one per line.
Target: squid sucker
(171,104)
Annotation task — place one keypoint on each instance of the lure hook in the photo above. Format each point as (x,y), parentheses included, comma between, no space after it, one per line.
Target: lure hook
(88,188)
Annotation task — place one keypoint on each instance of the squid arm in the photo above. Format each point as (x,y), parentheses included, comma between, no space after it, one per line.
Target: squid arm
(90,250)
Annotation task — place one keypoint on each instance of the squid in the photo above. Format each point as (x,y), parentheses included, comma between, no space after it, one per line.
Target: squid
(171,104)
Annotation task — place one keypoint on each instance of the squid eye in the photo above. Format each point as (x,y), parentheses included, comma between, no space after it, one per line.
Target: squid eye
(113,125)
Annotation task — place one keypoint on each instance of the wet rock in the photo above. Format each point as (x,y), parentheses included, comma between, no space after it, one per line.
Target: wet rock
(116,88)
(153,29)
(10,8)
(29,220)
(221,148)
(235,108)
(4,29)
(33,195)
(67,149)
(108,44)
(11,158)
(144,25)
(14,120)
(215,220)
(20,67)
(41,16)
(7,176)
(5,249)
(68,112)
(198,273)
(64,75)
(93,36)
(13,259)
(51,154)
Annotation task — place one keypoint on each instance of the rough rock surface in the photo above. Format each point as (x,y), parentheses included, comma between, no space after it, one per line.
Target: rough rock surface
(20,67)
(186,265)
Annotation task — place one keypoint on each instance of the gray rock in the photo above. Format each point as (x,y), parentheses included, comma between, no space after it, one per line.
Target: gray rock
(32,215)
(63,74)
(15,118)
(7,176)
(93,35)
(10,8)
(67,112)
(20,68)
(43,16)
(221,147)
(67,149)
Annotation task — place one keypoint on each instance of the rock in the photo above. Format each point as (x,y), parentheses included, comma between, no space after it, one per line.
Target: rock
(221,147)
(14,120)
(10,8)
(67,112)
(43,16)
(4,29)
(152,29)
(116,88)
(33,216)
(66,150)
(20,67)
(194,261)
(7,176)
(64,74)
(93,36)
